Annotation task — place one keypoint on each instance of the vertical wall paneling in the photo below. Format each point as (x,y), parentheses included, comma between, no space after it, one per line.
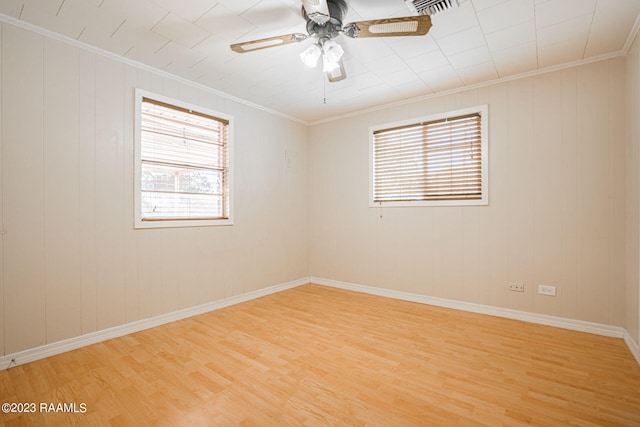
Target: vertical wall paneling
(131,263)
(498,195)
(617,166)
(187,263)
(170,269)
(61,191)
(593,192)
(520,224)
(447,263)
(387,246)
(23,193)
(547,193)
(570,147)
(632,181)
(87,190)
(415,254)
(109,199)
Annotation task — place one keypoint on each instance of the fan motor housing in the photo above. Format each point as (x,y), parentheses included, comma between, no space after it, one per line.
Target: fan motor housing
(331,28)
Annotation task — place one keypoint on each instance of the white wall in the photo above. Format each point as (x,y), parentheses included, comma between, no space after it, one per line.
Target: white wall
(71,261)
(632,294)
(556,213)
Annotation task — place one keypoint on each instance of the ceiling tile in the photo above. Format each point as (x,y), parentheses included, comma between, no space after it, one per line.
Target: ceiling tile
(602,39)
(274,17)
(470,58)
(427,61)
(505,15)
(180,30)
(485,4)
(189,10)
(12,8)
(223,23)
(402,78)
(516,60)
(574,31)
(454,20)
(138,13)
(477,73)
(385,65)
(377,9)
(440,79)
(563,51)
(408,47)
(367,80)
(367,49)
(216,48)
(464,40)
(144,42)
(512,36)
(238,6)
(54,16)
(551,13)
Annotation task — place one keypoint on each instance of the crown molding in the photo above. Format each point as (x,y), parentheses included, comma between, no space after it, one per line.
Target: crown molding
(632,36)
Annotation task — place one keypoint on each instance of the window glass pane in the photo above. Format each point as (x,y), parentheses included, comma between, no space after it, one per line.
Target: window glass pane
(181,206)
(184,180)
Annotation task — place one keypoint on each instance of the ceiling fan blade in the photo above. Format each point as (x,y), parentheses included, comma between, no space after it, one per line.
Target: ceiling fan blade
(337,74)
(317,10)
(252,45)
(391,27)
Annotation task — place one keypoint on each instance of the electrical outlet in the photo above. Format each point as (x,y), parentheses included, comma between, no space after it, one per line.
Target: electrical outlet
(516,287)
(547,290)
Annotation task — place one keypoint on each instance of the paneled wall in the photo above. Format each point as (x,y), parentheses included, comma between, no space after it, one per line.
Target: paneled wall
(632,294)
(556,212)
(71,261)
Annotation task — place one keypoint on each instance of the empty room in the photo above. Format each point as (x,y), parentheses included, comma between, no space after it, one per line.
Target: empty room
(320,212)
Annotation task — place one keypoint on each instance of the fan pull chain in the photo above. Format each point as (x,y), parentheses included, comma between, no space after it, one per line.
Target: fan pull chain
(324,89)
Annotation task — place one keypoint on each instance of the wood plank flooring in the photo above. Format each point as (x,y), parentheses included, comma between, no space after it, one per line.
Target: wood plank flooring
(317,356)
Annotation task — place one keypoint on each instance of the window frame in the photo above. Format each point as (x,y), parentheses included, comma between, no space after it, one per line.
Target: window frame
(139,222)
(482,110)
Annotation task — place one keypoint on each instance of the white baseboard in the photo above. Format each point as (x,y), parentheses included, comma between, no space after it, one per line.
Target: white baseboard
(52,349)
(560,322)
(634,348)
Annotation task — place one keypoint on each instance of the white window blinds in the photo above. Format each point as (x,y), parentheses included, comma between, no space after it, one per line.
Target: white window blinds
(438,160)
(184,164)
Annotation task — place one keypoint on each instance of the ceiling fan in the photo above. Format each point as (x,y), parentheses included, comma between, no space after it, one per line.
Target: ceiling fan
(324,24)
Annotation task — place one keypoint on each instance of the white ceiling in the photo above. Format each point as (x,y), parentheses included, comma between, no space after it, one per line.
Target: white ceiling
(481,40)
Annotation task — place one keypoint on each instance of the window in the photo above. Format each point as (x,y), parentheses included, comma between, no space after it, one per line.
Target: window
(182,159)
(437,160)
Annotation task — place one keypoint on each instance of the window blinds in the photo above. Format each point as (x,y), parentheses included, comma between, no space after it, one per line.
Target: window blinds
(436,160)
(184,163)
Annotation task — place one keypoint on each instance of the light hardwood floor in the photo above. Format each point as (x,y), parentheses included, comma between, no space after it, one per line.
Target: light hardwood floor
(319,356)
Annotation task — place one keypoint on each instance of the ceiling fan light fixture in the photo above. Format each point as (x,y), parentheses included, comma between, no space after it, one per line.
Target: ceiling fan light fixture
(332,51)
(311,55)
(329,66)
